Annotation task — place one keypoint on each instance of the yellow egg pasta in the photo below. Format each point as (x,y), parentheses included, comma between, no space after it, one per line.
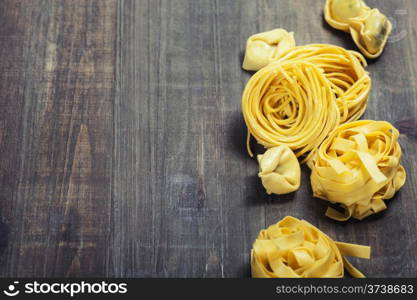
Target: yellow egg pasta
(279,170)
(290,103)
(368,27)
(265,47)
(358,166)
(294,248)
(345,71)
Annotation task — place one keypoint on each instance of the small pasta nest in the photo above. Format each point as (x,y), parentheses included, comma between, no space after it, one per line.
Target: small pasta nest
(294,248)
(291,103)
(358,166)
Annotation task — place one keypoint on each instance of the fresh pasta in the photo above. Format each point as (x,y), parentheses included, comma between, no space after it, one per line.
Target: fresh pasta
(368,27)
(294,248)
(265,47)
(290,103)
(358,166)
(279,170)
(345,71)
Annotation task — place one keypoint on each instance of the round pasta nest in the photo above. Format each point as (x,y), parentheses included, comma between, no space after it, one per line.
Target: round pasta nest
(358,166)
(291,103)
(294,248)
(350,82)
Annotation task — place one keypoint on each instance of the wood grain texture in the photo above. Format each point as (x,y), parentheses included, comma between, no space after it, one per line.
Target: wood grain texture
(122,143)
(56,149)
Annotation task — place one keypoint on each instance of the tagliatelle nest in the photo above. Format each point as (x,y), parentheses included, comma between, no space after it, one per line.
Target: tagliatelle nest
(358,166)
(294,248)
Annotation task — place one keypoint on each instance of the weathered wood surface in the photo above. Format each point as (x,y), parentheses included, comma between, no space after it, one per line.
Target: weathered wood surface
(122,145)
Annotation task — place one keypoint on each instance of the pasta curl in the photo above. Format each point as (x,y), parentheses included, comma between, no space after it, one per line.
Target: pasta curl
(345,71)
(358,166)
(294,248)
(290,103)
(368,27)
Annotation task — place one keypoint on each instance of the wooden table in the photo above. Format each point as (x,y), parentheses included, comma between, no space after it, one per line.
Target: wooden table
(122,143)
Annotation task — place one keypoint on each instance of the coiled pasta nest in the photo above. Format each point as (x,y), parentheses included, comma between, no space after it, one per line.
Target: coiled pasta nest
(358,166)
(291,103)
(349,80)
(294,248)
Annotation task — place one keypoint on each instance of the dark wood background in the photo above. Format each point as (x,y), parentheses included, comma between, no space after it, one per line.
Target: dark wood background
(122,143)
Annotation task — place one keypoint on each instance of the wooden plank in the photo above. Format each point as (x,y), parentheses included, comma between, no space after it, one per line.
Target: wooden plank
(56,163)
(136,102)
(175,123)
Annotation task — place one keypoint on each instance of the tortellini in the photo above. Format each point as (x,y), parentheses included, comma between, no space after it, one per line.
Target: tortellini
(279,170)
(358,166)
(368,27)
(265,47)
(294,248)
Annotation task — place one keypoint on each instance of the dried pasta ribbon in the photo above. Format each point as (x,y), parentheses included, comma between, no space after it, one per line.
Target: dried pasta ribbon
(294,248)
(368,27)
(358,166)
(350,82)
(279,170)
(265,47)
(290,103)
